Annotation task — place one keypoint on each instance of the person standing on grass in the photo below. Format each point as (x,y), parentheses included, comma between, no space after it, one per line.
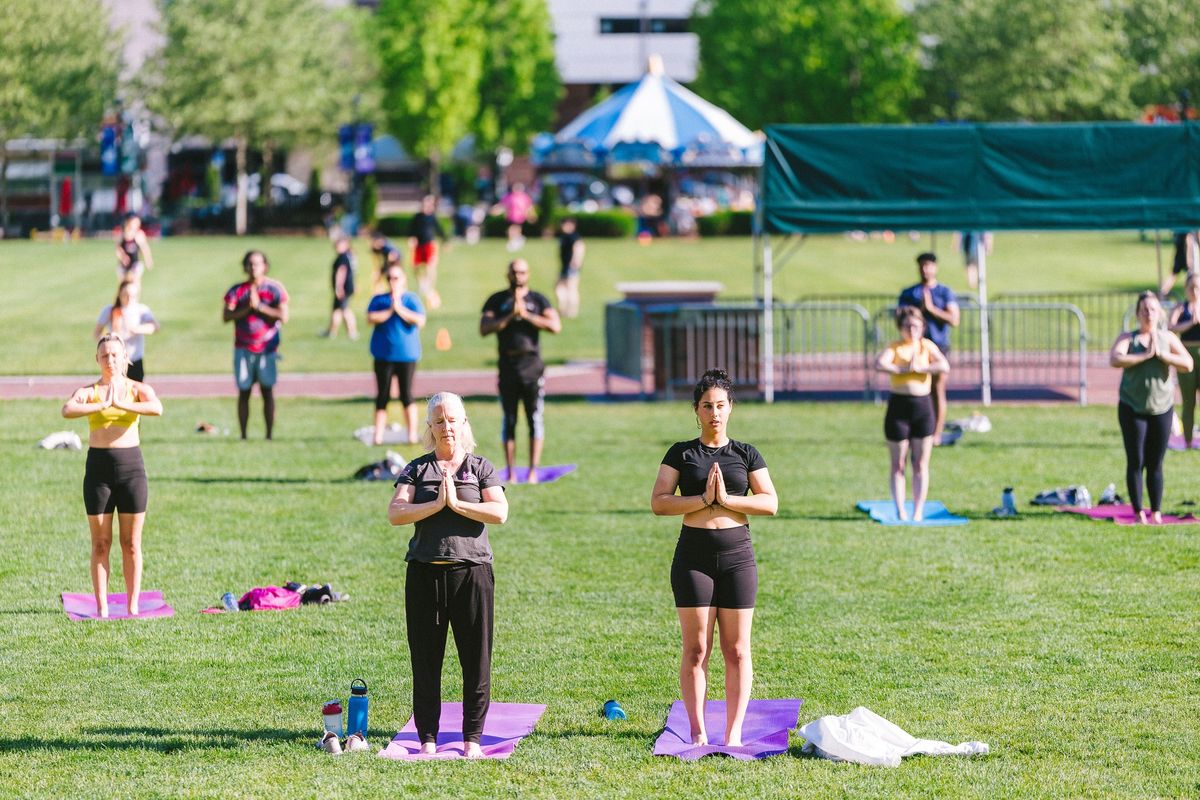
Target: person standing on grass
(912,362)
(517,316)
(1146,409)
(450,496)
(423,233)
(517,206)
(258,308)
(130,320)
(1185,323)
(940,307)
(133,249)
(396,346)
(343,289)
(714,482)
(114,480)
(570,256)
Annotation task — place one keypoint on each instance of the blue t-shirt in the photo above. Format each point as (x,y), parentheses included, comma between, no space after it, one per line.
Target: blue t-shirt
(936,331)
(396,340)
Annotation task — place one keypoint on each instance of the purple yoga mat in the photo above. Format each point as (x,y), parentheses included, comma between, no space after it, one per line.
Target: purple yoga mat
(1177,443)
(1123,515)
(545,474)
(764,733)
(506,724)
(83,606)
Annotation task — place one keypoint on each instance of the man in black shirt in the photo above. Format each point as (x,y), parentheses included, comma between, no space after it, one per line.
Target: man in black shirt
(517,316)
(421,234)
(343,289)
(570,255)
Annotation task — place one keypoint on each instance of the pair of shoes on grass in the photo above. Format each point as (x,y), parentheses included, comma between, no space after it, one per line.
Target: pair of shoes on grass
(355,743)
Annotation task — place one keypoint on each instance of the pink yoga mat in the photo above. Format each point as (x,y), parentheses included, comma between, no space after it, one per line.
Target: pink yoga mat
(83,606)
(1123,515)
(764,733)
(505,726)
(1176,443)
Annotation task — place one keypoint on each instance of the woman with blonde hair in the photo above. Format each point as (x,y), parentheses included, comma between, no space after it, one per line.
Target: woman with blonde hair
(450,496)
(115,477)
(1146,409)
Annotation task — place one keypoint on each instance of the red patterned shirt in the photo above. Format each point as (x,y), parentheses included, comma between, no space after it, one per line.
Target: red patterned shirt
(254,332)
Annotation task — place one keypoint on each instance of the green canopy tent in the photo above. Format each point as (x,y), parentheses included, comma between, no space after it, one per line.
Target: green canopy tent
(1085,176)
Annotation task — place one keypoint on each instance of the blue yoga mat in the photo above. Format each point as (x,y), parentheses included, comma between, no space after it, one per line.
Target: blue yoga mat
(936,515)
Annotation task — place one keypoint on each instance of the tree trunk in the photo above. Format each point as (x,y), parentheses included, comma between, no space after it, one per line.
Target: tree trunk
(266,200)
(435,172)
(239,213)
(3,188)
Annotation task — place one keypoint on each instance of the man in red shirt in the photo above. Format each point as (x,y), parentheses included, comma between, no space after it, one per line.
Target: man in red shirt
(258,308)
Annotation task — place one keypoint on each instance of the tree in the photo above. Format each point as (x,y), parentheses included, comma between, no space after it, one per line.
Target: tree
(806,60)
(262,73)
(1163,42)
(1024,60)
(431,60)
(520,86)
(58,70)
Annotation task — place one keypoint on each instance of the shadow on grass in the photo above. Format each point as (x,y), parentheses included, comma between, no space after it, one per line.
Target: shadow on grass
(254,479)
(165,740)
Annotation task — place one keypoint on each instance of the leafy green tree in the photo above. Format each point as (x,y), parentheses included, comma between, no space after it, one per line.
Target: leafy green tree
(1163,41)
(806,60)
(263,73)
(1024,60)
(431,61)
(59,64)
(520,86)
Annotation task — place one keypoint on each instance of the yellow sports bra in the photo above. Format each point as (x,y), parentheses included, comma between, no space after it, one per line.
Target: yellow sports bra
(905,354)
(111,417)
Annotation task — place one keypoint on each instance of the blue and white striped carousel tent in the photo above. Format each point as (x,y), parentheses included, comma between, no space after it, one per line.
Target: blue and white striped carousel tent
(657,120)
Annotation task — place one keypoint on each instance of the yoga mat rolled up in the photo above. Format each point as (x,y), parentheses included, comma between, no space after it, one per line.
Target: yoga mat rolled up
(83,606)
(764,732)
(506,725)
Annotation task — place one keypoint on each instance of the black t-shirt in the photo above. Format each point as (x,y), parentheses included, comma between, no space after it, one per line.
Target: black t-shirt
(447,535)
(566,248)
(344,260)
(518,337)
(692,460)
(424,227)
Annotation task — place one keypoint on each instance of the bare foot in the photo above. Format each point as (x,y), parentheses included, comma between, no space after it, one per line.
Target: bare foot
(533,476)
(473,750)
(104,613)
(902,513)
(700,738)
(1142,518)
(428,748)
(1156,517)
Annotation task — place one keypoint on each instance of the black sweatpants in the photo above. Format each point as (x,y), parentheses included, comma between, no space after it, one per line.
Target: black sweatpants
(1145,438)
(459,596)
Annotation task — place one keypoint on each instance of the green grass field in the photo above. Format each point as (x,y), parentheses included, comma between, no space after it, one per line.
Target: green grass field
(1067,645)
(56,290)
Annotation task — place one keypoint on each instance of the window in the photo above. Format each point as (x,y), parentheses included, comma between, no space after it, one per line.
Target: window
(615,25)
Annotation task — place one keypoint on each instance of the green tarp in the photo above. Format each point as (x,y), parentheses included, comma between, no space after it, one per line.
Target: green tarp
(1088,176)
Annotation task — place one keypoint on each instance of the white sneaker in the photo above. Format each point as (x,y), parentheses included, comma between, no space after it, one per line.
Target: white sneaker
(330,743)
(356,743)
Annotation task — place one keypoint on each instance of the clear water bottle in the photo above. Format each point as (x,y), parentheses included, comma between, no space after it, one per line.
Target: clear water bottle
(229,602)
(612,710)
(356,710)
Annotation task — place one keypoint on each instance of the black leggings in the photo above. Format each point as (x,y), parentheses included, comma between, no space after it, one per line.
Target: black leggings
(458,596)
(1145,438)
(714,568)
(114,480)
(384,370)
(522,382)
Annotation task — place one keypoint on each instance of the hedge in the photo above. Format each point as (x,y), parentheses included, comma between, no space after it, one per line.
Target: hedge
(726,223)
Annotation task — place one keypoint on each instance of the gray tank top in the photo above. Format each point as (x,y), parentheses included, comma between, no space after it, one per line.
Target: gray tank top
(1146,387)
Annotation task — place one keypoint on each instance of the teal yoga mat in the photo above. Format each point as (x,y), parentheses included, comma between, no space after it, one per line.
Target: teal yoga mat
(936,515)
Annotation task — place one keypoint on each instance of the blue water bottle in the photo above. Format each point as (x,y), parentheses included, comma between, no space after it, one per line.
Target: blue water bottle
(612,710)
(356,709)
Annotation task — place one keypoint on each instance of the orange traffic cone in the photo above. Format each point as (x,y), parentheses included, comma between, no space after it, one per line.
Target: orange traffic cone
(442,340)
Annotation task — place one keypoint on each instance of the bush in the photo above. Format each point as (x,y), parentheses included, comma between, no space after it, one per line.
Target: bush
(548,208)
(605,224)
(726,223)
(496,227)
(370,198)
(395,226)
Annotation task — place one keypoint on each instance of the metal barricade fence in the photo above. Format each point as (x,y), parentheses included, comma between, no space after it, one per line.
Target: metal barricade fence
(1106,313)
(823,346)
